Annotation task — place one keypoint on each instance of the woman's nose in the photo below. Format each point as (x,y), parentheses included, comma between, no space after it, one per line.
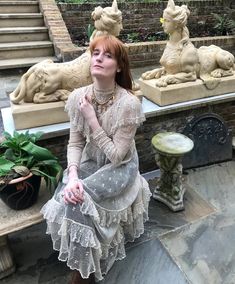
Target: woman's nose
(99,57)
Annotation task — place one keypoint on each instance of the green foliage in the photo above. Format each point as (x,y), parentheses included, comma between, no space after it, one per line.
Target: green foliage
(133,37)
(224,24)
(23,155)
(90,30)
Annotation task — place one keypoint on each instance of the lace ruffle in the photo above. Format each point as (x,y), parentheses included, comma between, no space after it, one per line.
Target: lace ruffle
(73,239)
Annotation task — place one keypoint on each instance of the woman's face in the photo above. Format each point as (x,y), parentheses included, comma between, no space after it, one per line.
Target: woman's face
(103,64)
(168,26)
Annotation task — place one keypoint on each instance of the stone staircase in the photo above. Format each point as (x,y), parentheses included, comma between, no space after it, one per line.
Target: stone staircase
(24,39)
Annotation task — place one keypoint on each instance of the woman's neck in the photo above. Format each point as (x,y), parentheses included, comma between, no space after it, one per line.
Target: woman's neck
(102,85)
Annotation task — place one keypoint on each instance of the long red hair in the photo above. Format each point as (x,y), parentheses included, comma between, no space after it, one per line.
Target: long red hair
(116,47)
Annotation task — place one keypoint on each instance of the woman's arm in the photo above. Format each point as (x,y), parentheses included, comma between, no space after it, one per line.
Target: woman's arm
(73,191)
(116,148)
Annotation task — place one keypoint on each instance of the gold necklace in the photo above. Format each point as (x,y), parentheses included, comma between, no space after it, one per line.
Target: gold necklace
(102,106)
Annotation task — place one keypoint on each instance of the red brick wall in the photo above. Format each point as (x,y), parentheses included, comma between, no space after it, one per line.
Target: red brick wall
(143,16)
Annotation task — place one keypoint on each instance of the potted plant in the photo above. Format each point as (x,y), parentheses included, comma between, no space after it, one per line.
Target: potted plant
(22,165)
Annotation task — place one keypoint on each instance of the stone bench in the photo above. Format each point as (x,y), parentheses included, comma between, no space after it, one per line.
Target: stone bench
(12,221)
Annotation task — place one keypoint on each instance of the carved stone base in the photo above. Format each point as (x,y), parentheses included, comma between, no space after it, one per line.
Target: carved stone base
(29,115)
(7,266)
(185,91)
(175,204)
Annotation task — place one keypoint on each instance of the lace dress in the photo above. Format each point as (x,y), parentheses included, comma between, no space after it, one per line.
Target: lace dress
(91,236)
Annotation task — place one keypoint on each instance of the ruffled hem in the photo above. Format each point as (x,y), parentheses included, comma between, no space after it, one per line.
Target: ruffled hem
(73,239)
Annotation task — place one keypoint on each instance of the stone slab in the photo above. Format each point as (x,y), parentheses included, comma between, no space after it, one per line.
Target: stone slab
(29,115)
(185,91)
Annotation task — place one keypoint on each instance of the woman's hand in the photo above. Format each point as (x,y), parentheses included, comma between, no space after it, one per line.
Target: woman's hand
(73,192)
(88,112)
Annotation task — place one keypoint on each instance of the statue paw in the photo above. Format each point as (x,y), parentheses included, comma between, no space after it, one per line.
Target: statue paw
(161,83)
(216,73)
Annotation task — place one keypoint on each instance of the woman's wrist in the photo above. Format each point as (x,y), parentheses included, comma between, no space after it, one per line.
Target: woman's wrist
(72,172)
(94,124)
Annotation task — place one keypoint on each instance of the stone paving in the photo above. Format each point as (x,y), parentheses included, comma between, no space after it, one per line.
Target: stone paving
(192,246)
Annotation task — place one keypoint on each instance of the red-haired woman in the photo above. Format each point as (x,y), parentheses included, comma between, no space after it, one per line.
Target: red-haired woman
(103,200)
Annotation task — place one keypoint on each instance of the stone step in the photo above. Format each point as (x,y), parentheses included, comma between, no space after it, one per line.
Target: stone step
(11,7)
(21,20)
(26,49)
(23,34)
(23,62)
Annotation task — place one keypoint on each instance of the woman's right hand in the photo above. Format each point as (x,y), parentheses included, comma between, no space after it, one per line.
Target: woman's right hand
(73,192)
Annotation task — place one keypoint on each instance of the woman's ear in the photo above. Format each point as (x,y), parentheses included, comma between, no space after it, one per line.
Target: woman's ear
(118,70)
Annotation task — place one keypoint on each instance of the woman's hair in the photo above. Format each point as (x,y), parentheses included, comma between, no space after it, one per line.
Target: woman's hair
(116,47)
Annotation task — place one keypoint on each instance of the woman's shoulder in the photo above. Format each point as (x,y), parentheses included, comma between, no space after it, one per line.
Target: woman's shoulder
(127,97)
(74,96)
(76,93)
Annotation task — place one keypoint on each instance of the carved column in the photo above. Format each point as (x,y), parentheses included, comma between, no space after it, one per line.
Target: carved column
(170,149)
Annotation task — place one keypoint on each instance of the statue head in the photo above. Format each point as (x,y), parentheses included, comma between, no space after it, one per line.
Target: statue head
(108,19)
(176,14)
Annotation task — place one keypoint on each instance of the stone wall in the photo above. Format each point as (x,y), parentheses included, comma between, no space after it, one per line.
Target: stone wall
(174,121)
(143,17)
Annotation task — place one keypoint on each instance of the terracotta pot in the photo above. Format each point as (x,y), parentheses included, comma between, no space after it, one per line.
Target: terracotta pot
(21,193)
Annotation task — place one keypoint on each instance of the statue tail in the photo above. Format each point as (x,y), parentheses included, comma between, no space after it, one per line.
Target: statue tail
(19,93)
(209,81)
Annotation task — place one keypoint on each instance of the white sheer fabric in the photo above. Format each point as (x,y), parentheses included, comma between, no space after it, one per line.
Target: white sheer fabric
(91,236)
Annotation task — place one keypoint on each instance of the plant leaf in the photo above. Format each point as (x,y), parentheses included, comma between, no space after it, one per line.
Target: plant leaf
(5,166)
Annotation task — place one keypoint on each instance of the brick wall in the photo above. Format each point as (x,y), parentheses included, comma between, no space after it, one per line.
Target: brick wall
(146,16)
(169,122)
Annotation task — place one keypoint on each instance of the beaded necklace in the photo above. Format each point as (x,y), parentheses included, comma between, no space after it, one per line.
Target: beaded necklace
(102,103)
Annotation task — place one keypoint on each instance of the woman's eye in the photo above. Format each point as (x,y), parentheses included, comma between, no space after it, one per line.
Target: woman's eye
(109,55)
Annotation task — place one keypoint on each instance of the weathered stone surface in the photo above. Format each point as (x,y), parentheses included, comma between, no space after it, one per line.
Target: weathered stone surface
(184,91)
(29,115)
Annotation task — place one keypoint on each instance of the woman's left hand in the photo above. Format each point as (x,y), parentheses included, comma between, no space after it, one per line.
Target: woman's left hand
(88,112)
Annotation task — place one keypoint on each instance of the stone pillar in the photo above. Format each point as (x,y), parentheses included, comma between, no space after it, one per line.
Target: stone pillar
(170,149)
(7,265)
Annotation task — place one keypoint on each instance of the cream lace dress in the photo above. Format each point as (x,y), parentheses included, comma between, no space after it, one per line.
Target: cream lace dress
(91,236)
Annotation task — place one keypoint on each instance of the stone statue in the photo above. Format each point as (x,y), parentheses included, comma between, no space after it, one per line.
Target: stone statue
(181,61)
(50,82)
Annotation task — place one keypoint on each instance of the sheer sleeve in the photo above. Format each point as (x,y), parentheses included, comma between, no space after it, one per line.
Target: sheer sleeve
(75,146)
(116,148)
(129,116)
(78,128)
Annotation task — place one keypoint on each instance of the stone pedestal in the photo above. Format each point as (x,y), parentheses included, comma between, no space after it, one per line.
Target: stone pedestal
(184,92)
(30,115)
(170,149)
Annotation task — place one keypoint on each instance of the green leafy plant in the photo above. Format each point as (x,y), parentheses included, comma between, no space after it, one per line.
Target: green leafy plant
(20,156)
(133,37)
(90,30)
(224,24)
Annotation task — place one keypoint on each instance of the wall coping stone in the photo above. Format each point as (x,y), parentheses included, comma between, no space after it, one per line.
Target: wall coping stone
(150,109)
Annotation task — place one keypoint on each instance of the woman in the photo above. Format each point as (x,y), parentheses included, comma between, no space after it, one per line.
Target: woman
(180,59)
(103,201)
